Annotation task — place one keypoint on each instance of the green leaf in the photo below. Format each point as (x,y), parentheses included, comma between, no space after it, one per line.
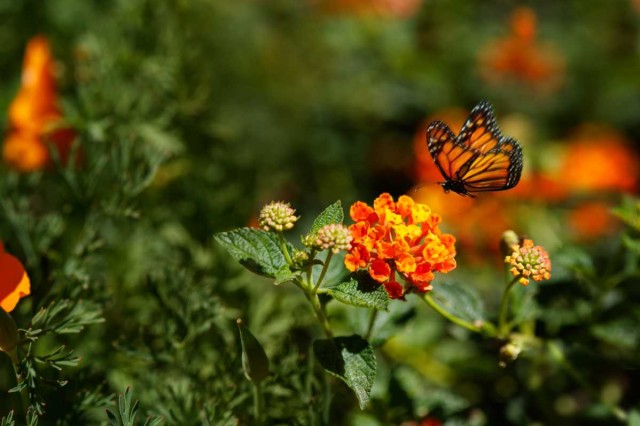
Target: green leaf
(620,333)
(127,412)
(459,300)
(330,215)
(285,275)
(634,418)
(257,250)
(426,396)
(629,212)
(254,359)
(352,360)
(631,244)
(8,420)
(361,293)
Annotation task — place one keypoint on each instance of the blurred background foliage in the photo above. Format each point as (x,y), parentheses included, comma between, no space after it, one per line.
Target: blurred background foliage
(189,115)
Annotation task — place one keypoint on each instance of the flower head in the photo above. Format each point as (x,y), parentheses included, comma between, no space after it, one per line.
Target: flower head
(277,215)
(529,262)
(34,114)
(335,236)
(14,281)
(520,57)
(399,238)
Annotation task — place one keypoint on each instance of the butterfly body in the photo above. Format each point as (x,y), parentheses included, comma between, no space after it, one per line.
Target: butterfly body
(479,159)
(456,186)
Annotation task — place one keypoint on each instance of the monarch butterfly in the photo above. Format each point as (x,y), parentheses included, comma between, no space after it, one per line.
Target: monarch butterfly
(479,159)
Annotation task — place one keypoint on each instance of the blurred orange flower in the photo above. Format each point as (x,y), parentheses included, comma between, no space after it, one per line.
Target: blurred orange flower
(384,8)
(34,115)
(520,57)
(592,219)
(399,237)
(599,158)
(14,282)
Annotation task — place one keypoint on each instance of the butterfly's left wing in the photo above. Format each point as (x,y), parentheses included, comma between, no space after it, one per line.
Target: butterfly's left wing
(496,170)
(480,131)
(446,152)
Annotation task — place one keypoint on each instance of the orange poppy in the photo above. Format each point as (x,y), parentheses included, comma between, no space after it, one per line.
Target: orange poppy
(599,158)
(14,281)
(520,57)
(34,115)
(591,220)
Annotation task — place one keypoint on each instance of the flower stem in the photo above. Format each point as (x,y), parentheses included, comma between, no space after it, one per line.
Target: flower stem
(325,267)
(283,246)
(372,321)
(503,326)
(258,402)
(24,397)
(454,319)
(319,311)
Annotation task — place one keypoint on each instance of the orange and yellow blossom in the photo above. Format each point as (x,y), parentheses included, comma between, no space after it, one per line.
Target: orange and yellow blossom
(34,114)
(529,262)
(399,237)
(14,281)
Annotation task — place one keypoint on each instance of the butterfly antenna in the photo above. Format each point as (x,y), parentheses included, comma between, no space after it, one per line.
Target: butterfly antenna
(416,188)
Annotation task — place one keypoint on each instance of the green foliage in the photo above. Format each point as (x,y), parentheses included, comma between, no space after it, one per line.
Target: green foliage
(127,412)
(352,360)
(254,360)
(460,300)
(360,293)
(330,215)
(257,250)
(190,115)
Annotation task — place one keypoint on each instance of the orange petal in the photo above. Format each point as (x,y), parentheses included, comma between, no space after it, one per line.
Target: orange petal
(14,282)
(24,152)
(379,270)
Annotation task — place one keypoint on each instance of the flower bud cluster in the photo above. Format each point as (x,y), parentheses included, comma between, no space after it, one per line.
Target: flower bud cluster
(529,262)
(277,215)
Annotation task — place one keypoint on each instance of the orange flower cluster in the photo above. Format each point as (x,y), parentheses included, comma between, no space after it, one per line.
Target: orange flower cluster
(14,281)
(34,114)
(518,56)
(400,237)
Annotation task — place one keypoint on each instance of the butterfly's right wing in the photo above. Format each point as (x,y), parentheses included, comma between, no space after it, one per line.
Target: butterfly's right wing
(480,131)
(496,170)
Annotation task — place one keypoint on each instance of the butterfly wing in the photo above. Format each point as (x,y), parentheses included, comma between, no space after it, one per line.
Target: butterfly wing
(446,152)
(480,131)
(496,170)
(479,159)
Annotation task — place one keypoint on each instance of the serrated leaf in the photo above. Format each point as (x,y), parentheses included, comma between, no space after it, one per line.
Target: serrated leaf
(254,359)
(257,250)
(285,275)
(330,215)
(460,300)
(361,293)
(352,360)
